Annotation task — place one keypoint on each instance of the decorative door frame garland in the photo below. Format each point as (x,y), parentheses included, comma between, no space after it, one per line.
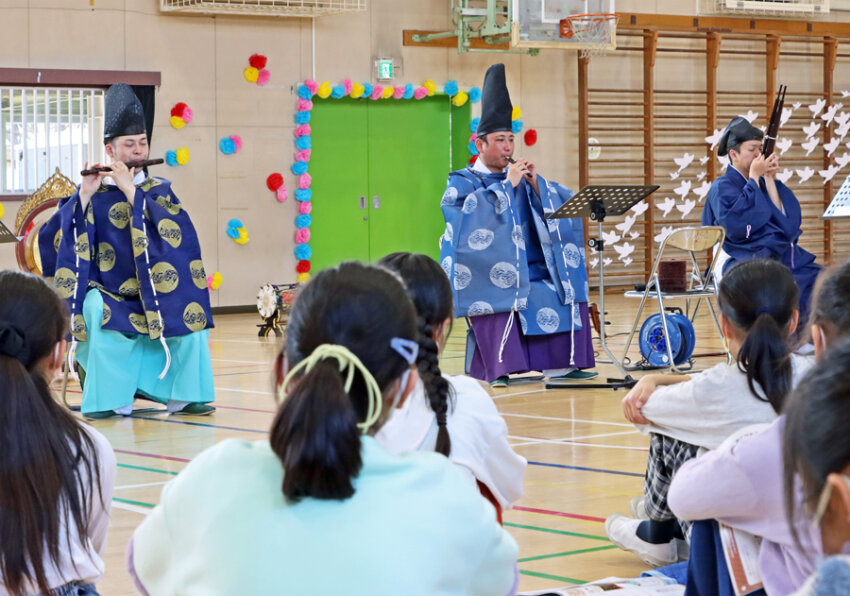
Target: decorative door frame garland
(349,88)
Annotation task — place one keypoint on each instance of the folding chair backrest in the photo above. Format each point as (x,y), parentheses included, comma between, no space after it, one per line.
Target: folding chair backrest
(695,239)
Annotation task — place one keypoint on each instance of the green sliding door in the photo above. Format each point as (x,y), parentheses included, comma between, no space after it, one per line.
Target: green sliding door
(379,170)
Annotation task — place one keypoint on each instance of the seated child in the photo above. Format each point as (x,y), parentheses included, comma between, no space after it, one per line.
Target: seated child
(452,415)
(56,473)
(757,300)
(322,507)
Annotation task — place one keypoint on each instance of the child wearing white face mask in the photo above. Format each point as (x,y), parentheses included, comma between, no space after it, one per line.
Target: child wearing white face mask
(740,483)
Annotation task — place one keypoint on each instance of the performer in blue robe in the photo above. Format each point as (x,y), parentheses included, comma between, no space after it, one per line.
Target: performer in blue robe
(125,255)
(519,277)
(760,214)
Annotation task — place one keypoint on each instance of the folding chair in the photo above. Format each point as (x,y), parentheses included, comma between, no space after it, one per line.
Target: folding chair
(695,241)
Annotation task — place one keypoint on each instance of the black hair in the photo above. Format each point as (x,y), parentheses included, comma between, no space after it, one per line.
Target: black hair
(759,296)
(816,441)
(429,288)
(831,303)
(46,457)
(315,433)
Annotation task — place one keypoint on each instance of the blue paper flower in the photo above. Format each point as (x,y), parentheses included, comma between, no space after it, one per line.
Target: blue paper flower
(171,158)
(234,223)
(473,126)
(472,149)
(299,167)
(450,88)
(303,221)
(303,252)
(408,91)
(303,142)
(516,126)
(367,90)
(233,233)
(338,91)
(475,95)
(302,117)
(304,92)
(226,145)
(303,194)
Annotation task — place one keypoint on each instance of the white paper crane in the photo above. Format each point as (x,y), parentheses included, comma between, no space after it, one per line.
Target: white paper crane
(666,206)
(703,160)
(626,224)
(627,261)
(829,173)
(784,175)
(805,174)
(700,176)
(796,105)
(674,175)
(684,161)
(594,262)
(830,112)
(624,250)
(842,160)
(783,145)
(634,235)
(641,207)
(665,231)
(686,207)
(832,145)
(786,114)
(610,237)
(702,190)
(810,145)
(683,189)
(714,139)
(845,93)
(607,261)
(816,107)
(750,116)
(842,129)
(811,129)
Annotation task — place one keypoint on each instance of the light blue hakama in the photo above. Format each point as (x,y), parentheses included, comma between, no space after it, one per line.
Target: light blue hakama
(118,366)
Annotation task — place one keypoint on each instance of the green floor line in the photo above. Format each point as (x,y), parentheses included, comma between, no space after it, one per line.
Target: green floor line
(568,553)
(557,578)
(139,503)
(147,469)
(562,532)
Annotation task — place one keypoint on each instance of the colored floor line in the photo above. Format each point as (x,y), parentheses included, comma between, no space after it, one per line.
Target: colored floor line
(137,503)
(552,531)
(236,428)
(248,372)
(147,469)
(152,455)
(559,514)
(568,553)
(584,469)
(557,578)
(218,407)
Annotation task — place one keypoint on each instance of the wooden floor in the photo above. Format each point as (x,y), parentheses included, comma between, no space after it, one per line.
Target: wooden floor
(585,461)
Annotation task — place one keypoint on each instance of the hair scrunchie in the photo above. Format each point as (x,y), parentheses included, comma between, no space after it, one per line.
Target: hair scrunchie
(11,341)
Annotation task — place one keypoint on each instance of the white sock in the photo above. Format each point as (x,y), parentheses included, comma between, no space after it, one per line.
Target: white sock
(175,405)
(124,410)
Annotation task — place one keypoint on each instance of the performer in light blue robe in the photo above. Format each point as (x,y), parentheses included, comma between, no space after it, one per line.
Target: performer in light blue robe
(123,252)
(760,214)
(519,277)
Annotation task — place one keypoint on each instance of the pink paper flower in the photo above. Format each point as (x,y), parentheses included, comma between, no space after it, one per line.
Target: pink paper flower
(282,193)
(263,77)
(303,130)
(305,105)
(237,142)
(187,114)
(312,85)
(377,91)
(398,91)
(348,84)
(420,92)
(473,137)
(302,236)
(304,181)
(303,155)
(305,207)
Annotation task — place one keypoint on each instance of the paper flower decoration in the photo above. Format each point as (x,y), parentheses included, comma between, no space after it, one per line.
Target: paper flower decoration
(367,90)
(177,122)
(312,85)
(237,232)
(304,142)
(473,125)
(263,77)
(282,193)
(303,267)
(475,95)
(303,221)
(302,117)
(303,155)
(2,211)
(303,130)
(171,158)
(398,91)
(530,137)
(516,126)
(251,74)
(409,90)
(299,167)
(388,92)
(303,252)
(303,278)
(305,105)
(348,85)
(302,235)
(274,181)
(450,88)
(182,156)
(214,281)
(305,207)
(460,98)
(420,93)
(473,159)
(473,137)
(324,90)
(473,150)
(304,92)
(258,61)
(303,194)
(357,90)
(516,113)
(377,91)
(181,115)
(237,142)
(304,181)
(338,91)
(227,146)
(431,86)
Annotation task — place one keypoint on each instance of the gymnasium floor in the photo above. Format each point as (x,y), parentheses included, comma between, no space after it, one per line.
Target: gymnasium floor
(585,460)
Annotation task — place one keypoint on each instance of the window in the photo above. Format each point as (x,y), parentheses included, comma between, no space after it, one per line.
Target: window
(41,129)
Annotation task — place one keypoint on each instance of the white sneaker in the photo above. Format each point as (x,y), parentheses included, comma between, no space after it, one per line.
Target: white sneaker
(622,531)
(637,507)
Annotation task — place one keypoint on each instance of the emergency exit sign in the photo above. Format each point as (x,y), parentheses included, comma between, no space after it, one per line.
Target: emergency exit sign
(385,69)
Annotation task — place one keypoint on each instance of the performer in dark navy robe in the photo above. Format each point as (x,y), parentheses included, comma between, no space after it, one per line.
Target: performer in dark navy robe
(125,255)
(760,214)
(520,278)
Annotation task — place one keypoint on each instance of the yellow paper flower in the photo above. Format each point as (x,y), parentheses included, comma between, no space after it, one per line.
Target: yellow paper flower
(216,281)
(251,74)
(182,156)
(460,98)
(516,114)
(243,233)
(303,278)
(387,92)
(2,211)
(242,239)
(324,90)
(431,86)
(357,90)
(177,122)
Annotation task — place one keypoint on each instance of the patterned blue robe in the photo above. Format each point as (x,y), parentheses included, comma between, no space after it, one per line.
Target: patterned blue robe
(501,254)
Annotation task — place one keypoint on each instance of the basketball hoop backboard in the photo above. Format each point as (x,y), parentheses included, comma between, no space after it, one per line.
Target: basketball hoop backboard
(588,26)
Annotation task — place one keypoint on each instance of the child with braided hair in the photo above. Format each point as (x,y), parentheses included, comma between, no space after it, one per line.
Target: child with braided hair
(452,415)
(322,507)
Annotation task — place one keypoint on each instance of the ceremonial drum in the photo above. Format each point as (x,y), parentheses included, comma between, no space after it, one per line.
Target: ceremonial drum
(274,301)
(35,211)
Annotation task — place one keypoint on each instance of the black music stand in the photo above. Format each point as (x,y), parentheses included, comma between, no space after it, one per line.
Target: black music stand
(6,235)
(597,202)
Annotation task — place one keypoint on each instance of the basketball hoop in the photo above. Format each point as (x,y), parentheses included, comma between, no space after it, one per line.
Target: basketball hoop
(594,32)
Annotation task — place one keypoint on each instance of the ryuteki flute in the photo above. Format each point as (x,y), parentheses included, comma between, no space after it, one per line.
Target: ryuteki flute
(142,163)
(512,160)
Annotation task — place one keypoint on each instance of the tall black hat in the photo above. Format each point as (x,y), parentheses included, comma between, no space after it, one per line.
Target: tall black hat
(123,113)
(739,131)
(496,108)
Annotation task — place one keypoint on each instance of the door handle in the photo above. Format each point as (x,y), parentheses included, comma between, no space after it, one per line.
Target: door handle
(376,202)
(362,202)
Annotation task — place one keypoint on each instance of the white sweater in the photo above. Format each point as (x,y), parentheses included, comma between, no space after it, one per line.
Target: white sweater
(478,434)
(712,405)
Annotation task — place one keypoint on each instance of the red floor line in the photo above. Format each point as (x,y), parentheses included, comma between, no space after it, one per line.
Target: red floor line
(168,457)
(560,514)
